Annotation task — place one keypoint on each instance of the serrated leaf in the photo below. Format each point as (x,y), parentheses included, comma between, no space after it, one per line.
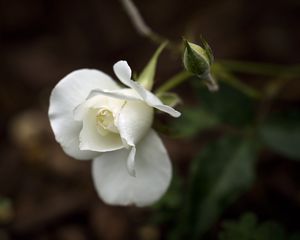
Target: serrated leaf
(282,134)
(146,78)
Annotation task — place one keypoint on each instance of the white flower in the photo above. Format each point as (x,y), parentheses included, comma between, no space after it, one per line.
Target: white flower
(92,117)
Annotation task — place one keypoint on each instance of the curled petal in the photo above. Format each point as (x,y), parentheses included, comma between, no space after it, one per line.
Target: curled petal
(134,121)
(153,174)
(66,95)
(123,72)
(155,102)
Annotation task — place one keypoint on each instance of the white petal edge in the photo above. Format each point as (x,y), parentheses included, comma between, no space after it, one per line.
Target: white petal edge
(123,72)
(130,163)
(66,95)
(120,94)
(153,174)
(155,102)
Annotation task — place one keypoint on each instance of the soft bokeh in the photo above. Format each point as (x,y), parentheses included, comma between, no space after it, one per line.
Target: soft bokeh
(46,195)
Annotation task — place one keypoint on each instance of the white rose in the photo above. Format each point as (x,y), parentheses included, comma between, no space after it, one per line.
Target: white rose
(92,117)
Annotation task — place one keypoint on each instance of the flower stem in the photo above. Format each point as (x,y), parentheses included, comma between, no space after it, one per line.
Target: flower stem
(174,82)
(264,69)
(221,70)
(143,28)
(222,74)
(211,83)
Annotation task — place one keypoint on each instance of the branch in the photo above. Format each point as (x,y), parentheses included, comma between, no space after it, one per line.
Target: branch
(137,20)
(142,28)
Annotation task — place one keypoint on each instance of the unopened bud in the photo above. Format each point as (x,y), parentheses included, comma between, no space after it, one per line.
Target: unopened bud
(198,60)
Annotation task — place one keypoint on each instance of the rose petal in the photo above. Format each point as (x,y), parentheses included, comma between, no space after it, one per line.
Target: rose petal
(123,72)
(124,94)
(134,121)
(130,163)
(155,102)
(91,139)
(153,174)
(66,95)
(71,147)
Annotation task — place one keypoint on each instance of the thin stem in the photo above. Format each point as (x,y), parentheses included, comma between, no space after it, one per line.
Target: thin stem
(173,82)
(143,29)
(211,83)
(272,90)
(264,69)
(136,18)
(221,74)
(221,70)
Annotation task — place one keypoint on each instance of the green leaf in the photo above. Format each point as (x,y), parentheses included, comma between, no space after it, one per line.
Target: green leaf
(282,134)
(193,121)
(6,210)
(146,78)
(295,236)
(241,230)
(165,211)
(248,228)
(223,171)
(229,105)
(170,99)
(270,231)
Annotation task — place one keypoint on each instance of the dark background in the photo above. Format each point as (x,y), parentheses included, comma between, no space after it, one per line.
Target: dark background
(45,194)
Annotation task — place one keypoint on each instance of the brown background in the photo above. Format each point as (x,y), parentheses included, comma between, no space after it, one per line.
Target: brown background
(52,196)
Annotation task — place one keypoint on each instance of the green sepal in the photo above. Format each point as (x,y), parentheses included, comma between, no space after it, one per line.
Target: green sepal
(169,98)
(208,51)
(146,78)
(196,59)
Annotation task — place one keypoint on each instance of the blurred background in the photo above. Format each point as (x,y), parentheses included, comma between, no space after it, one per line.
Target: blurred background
(46,195)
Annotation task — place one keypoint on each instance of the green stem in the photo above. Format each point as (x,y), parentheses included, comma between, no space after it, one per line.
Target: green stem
(221,70)
(244,88)
(264,69)
(271,91)
(174,82)
(175,48)
(222,75)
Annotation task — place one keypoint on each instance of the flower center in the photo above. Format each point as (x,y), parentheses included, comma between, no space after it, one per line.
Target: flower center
(105,121)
